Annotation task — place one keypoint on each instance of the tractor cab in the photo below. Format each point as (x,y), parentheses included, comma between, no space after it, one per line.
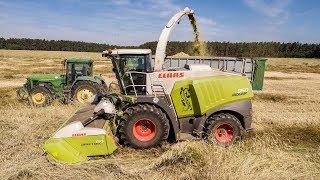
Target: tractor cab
(76,67)
(130,67)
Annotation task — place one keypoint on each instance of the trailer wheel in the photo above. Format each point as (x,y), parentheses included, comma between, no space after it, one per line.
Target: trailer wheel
(83,90)
(143,126)
(223,129)
(40,96)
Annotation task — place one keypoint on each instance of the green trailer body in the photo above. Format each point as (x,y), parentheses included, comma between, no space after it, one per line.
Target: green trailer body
(257,81)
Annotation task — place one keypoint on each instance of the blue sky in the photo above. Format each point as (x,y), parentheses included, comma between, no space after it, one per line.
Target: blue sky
(132,22)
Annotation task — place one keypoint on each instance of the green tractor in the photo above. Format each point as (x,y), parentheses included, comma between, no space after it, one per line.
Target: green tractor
(78,83)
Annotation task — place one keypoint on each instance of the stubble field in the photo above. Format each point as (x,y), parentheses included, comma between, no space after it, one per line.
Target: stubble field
(284,145)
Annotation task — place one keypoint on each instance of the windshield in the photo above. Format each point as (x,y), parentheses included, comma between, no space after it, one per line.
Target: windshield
(133,63)
(79,69)
(129,63)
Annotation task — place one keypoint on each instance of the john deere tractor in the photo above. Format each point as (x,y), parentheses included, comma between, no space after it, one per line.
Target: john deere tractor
(78,83)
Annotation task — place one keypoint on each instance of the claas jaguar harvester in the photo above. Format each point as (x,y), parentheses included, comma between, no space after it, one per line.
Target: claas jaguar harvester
(156,105)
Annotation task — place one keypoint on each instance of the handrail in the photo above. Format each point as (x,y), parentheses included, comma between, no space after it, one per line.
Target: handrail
(152,84)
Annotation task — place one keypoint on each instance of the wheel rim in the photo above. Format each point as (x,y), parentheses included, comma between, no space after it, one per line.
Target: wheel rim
(224,133)
(144,130)
(84,94)
(38,98)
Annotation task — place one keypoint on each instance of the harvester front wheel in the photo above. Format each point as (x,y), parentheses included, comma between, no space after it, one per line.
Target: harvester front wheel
(223,129)
(143,126)
(83,90)
(40,96)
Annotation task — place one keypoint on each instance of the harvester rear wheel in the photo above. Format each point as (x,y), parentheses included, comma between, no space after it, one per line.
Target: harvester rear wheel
(143,126)
(223,129)
(83,90)
(40,96)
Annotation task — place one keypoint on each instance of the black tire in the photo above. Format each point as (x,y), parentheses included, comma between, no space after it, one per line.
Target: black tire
(40,96)
(223,129)
(136,126)
(90,86)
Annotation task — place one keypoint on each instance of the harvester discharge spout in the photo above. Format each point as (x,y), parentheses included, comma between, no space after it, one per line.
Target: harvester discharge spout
(164,37)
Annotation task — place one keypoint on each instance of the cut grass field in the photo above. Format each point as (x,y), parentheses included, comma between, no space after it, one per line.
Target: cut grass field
(284,145)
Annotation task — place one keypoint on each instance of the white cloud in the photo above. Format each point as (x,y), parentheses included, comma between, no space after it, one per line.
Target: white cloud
(163,8)
(206,21)
(121,2)
(269,9)
(276,10)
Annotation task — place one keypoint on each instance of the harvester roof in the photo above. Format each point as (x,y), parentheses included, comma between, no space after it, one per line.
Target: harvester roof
(129,51)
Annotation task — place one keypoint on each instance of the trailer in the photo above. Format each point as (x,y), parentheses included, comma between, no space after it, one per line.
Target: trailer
(253,68)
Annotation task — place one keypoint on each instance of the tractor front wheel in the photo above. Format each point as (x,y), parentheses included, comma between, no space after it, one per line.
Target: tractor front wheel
(40,96)
(223,129)
(83,90)
(143,126)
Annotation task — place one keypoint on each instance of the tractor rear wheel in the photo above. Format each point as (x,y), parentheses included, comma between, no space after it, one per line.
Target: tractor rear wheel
(223,129)
(83,90)
(143,126)
(40,96)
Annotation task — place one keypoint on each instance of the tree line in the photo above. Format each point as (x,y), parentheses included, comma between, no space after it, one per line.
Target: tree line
(54,45)
(235,49)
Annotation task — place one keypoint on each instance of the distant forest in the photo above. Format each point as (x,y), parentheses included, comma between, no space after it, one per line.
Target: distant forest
(239,49)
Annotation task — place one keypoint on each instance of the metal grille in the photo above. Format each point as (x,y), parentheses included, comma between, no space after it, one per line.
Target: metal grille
(229,64)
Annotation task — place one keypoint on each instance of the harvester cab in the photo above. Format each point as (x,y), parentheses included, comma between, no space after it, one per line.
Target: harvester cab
(131,67)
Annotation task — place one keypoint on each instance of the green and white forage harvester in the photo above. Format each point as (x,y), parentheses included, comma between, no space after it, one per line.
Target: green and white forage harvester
(156,105)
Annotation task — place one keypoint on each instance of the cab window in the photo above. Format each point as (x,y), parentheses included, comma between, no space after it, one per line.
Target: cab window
(134,63)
